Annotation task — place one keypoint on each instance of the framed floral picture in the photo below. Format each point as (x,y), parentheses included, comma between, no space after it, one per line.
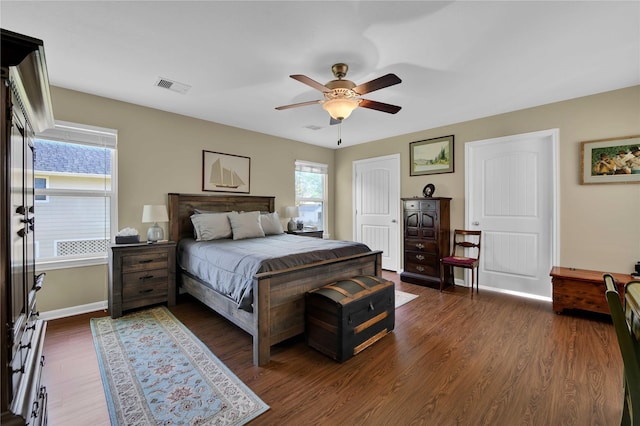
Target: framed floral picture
(615,160)
(225,172)
(431,156)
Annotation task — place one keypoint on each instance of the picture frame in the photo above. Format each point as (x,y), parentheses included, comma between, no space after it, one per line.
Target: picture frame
(225,172)
(431,156)
(613,160)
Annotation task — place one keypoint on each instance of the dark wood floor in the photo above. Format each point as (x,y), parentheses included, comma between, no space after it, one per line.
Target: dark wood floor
(452,360)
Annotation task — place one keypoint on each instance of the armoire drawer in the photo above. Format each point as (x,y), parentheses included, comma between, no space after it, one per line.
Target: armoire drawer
(422,258)
(421,245)
(428,269)
(420,205)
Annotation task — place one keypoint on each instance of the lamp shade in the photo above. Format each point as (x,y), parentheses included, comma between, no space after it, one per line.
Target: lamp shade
(154,214)
(292,211)
(340,108)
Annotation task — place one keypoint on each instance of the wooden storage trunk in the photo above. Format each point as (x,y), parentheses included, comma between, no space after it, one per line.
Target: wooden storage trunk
(345,317)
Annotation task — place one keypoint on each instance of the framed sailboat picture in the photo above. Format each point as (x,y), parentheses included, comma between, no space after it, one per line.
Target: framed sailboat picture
(225,172)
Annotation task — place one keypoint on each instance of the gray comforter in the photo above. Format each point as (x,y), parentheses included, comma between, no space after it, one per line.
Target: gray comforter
(229,266)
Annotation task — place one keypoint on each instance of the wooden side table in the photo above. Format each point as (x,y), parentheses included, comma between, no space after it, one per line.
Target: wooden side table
(582,289)
(140,275)
(315,234)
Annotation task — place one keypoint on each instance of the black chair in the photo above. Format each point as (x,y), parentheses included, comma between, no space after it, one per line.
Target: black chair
(465,254)
(629,347)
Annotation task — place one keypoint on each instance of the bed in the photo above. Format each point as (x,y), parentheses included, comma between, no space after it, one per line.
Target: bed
(277,296)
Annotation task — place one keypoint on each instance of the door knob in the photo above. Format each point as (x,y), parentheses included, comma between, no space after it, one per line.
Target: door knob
(476,223)
(393,221)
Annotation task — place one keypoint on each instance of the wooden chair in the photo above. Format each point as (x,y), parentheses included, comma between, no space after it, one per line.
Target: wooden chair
(465,254)
(629,347)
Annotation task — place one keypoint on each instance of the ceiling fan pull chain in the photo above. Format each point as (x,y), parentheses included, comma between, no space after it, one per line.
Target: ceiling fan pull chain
(340,133)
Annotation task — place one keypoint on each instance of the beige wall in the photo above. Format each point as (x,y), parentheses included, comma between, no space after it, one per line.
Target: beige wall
(159,152)
(599,224)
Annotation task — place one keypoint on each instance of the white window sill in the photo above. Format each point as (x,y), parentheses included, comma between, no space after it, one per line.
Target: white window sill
(49,265)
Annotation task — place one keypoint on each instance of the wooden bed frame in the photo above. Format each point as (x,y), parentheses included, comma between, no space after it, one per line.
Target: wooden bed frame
(278,296)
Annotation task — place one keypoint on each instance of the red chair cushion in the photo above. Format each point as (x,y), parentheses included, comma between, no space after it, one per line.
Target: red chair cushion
(460,261)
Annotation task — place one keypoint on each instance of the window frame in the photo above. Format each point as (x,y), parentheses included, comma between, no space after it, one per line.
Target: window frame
(323,169)
(81,134)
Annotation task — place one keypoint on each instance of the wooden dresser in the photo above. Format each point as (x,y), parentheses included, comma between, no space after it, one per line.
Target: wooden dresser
(141,275)
(426,239)
(26,110)
(583,289)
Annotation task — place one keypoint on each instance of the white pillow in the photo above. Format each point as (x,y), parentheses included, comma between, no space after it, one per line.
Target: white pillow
(270,223)
(211,226)
(246,225)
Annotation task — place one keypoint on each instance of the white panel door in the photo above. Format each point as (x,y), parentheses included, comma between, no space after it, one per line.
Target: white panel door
(377,206)
(511,193)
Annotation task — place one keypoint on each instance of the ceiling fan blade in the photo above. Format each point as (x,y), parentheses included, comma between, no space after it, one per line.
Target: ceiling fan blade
(280,108)
(379,106)
(310,82)
(376,84)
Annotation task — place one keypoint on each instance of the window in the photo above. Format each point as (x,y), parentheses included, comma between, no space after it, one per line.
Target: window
(311,194)
(75,191)
(40,183)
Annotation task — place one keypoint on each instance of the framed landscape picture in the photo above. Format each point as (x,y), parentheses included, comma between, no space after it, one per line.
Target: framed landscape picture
(225,172)
(615,160)
(431,156)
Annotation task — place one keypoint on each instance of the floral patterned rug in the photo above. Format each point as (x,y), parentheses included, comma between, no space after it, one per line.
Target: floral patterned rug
(155,371)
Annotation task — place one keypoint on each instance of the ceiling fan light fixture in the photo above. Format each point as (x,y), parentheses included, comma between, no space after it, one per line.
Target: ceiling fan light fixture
(340,108)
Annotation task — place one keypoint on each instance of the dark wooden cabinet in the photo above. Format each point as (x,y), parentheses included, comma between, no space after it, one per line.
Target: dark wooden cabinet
(426,239)
(26,110)
(141,275)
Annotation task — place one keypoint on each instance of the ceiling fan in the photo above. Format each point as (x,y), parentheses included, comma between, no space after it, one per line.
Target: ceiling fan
(341,96)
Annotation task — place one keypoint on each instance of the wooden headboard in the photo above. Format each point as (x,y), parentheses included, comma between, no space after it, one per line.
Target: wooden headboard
(182,206)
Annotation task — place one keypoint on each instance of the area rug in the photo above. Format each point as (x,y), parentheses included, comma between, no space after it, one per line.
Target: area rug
(156,372)
(403,297)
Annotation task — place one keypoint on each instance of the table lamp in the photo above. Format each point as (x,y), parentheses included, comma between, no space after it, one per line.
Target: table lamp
(155,214)
(292,212)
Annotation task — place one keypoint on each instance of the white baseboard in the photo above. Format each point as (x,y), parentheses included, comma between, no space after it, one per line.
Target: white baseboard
(74,310)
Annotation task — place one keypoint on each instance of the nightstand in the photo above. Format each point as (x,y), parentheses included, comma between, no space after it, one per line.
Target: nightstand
(140,275)
(315,234)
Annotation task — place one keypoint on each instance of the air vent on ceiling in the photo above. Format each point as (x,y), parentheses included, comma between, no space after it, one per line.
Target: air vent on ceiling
(174,86)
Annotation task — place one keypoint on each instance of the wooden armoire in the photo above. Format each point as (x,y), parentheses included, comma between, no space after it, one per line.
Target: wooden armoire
(426,239)
(26,110)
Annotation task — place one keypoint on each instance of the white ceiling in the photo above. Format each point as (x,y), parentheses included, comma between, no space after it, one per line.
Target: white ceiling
(458,60)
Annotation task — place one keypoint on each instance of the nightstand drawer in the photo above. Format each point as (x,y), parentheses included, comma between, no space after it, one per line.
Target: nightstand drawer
(144,288)
(133,279)
(145,296)
(146,261)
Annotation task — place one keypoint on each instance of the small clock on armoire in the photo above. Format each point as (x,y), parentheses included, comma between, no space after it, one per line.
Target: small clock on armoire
(428,190)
